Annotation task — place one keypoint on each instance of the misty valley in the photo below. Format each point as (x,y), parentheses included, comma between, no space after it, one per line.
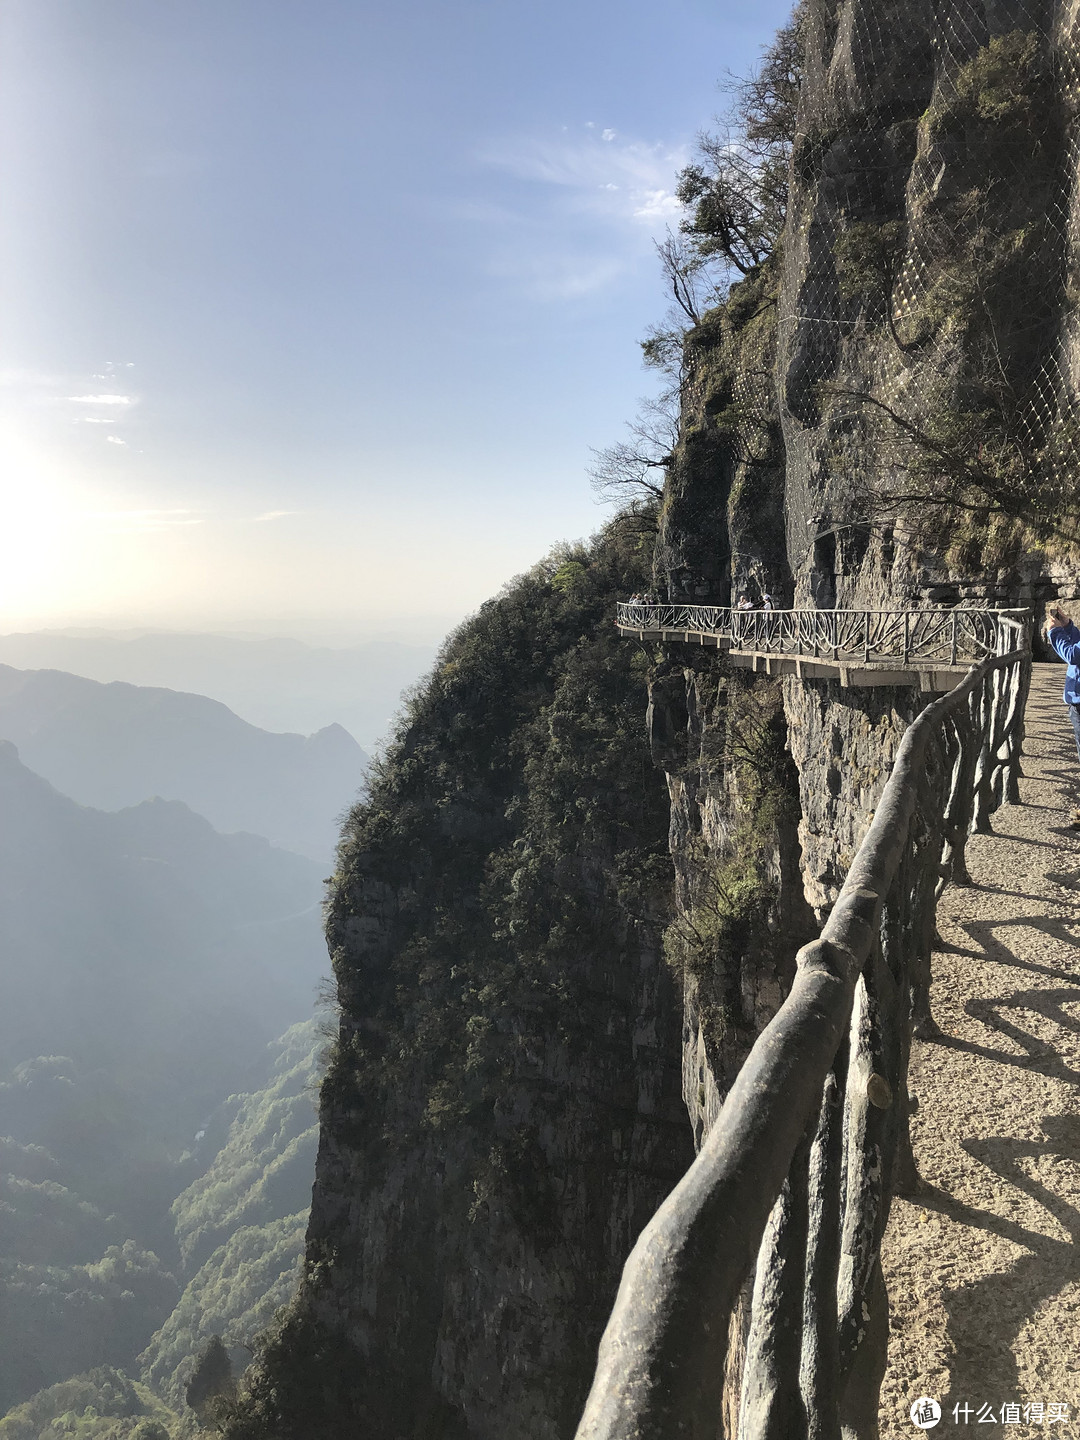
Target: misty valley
(162,868)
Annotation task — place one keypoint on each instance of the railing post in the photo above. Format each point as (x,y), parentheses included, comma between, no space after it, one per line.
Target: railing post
(866,637)
(907,639)
(952,649)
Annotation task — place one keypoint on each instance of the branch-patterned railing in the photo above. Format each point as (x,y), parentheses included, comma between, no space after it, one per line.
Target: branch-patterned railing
(906,637)
(795,1178)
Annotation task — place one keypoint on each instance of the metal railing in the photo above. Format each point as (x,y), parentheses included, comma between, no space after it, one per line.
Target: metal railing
(794,1180)
(906,637)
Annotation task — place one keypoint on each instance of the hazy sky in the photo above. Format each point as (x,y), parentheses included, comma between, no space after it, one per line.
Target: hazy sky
(311,309)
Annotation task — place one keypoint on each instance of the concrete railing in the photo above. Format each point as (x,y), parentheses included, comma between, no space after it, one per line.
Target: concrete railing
(903,637)
(794,1180)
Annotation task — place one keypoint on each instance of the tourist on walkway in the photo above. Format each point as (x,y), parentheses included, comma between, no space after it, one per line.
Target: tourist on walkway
(1065,638)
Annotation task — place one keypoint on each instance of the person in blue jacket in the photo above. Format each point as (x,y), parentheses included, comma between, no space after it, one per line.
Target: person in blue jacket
(1065,638)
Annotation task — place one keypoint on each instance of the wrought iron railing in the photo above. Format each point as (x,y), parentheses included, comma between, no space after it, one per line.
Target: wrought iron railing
(794,1181)
(907,637)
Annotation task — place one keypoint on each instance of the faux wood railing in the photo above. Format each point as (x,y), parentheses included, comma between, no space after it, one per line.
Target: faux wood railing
(905,637)
(794,1181)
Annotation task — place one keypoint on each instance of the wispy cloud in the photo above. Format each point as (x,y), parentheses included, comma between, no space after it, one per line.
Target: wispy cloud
(619,179)
(113,406)
(121,400)
(586,207)
(143,521)
(275,515)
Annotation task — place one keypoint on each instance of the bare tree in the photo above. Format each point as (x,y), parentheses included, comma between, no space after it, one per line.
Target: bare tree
(737,188)
(682,264)
(634,469)
(969,460)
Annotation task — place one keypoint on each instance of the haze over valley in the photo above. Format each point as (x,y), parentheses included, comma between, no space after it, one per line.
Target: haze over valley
(162,868)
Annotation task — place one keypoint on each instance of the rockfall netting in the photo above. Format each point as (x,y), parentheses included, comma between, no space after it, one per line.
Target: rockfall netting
(927,335)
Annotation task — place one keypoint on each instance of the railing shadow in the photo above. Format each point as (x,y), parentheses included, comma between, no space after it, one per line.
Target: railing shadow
(983,1365)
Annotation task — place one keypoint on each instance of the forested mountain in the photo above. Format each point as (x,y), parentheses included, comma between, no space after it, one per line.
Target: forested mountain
(240,1225)
(93,1258)
(502,1113)
(115,745)
(146,961)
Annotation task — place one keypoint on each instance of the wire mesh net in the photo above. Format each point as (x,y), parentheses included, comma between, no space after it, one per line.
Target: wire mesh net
(928,344)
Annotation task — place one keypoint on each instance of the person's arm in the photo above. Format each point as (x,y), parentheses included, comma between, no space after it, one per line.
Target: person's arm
(1063,636)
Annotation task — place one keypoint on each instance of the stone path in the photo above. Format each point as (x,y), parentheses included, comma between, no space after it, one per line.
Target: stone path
(983,1271)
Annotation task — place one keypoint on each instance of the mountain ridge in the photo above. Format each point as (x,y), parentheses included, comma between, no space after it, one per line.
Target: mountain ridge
(111,745)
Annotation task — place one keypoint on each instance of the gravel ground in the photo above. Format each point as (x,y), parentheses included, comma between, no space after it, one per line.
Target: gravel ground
(983,1270)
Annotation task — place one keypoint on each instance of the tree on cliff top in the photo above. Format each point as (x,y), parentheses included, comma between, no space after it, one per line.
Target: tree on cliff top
(737,188)
(735,198)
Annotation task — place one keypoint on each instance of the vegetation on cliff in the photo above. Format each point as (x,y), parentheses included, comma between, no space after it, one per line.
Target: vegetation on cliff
(81,1298)
(506,1078)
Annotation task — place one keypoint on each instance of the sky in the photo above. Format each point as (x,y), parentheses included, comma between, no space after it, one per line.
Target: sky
(311,310)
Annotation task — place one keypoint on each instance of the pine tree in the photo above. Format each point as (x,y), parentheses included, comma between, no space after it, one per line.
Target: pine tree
(211,1381)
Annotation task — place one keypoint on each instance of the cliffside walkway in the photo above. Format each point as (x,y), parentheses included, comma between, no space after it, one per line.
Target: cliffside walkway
(932,649)
(795,1180)
(983,1269)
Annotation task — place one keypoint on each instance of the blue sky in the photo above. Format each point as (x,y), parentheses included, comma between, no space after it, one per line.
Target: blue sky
(312,311)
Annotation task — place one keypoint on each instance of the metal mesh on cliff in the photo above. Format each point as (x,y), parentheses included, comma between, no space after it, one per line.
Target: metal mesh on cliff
(928,349)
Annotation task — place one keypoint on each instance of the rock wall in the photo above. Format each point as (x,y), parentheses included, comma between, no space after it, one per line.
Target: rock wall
(915,315)
(924,322)
(502,1112)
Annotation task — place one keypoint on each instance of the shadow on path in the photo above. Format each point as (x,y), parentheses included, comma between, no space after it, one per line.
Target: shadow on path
(984,1367)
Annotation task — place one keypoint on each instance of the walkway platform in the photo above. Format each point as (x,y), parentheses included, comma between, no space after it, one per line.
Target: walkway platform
(983,1267)
(930,650)
(930,677)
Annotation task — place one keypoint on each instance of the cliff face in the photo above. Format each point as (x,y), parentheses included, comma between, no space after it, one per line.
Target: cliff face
(858,419)
(502,1112)
(864,420)
(925,347)
(924,328)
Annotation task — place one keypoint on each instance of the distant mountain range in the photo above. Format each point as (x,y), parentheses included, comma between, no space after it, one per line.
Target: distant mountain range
(116,745)
(145,963)
(145,943)
(278,684)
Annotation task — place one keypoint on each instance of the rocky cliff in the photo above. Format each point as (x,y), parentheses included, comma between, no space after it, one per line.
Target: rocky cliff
(880,414)
(501,1113)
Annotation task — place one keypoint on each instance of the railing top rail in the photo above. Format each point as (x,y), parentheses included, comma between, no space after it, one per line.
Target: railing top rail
(1021,613)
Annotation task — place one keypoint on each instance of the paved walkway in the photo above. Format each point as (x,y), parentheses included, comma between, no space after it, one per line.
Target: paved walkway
(984,1271)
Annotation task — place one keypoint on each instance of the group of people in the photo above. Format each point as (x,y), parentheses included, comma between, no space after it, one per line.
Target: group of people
(648,597)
